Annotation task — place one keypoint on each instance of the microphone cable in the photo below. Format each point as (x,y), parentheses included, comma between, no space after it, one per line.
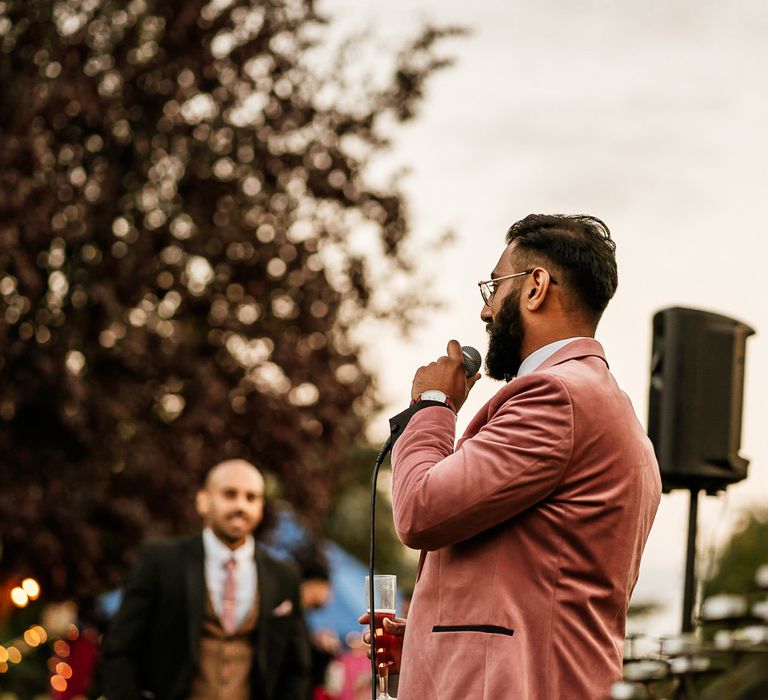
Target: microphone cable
(472,363)
(372,558)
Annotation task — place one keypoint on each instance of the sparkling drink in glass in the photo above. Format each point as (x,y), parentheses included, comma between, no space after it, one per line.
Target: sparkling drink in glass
(384,595)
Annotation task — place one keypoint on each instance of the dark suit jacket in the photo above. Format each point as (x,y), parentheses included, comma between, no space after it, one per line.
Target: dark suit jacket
(152,645)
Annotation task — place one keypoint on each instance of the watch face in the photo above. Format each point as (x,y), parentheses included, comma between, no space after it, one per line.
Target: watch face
(434,395)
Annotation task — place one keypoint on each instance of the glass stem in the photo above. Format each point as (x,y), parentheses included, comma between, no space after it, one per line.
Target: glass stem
(383,681)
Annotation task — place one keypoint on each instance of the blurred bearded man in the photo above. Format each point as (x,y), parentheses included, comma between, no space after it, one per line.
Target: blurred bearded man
(533,525)
(211,615)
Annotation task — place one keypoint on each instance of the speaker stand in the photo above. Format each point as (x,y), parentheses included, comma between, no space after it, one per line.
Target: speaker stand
(690,563)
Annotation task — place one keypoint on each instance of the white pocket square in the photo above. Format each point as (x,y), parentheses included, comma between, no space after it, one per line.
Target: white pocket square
(285,608)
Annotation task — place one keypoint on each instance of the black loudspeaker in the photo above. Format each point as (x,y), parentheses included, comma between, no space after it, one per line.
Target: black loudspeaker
(696,396)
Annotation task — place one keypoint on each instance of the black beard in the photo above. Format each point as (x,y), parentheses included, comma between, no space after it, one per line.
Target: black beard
(505,340)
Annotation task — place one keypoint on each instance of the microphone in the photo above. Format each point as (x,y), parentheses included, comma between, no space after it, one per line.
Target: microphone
(472,360)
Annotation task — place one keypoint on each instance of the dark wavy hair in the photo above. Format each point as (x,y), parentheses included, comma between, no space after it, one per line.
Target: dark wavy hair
(578,247)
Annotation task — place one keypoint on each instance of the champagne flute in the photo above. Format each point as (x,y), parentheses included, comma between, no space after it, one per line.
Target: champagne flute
(384,595)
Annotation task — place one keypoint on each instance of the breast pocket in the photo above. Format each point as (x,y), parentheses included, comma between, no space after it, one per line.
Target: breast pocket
(486,629)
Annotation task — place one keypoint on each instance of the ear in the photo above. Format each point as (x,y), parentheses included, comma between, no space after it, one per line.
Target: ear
(202,504)
(535,296)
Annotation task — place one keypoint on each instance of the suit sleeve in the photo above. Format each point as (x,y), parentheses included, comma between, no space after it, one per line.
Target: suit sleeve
(129,630)
(293,683)
(441,496)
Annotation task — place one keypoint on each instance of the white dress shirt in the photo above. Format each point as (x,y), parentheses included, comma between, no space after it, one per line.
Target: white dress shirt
(216,556)
(536,358)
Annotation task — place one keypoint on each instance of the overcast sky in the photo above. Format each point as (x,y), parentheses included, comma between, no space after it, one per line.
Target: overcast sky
(650,116)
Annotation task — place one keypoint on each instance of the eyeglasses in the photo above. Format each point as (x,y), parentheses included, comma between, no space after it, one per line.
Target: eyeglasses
(488,288)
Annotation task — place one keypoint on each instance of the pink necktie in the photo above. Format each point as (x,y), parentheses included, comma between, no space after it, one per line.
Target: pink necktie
(228,618)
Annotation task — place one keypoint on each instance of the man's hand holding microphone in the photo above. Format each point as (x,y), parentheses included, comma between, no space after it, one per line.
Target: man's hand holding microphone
(453,374)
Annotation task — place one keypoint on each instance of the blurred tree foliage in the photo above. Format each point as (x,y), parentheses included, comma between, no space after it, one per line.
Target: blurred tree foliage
(745,674)
(739,559)
(178,283)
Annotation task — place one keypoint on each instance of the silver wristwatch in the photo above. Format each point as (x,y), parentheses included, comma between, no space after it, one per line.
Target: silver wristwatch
(434,395)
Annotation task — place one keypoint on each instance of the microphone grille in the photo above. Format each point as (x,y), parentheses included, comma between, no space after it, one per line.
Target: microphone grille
(472,359)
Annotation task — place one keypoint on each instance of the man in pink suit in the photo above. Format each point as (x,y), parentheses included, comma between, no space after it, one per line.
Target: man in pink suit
(532,526)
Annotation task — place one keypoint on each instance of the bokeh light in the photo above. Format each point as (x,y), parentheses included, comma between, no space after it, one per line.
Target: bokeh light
(61,648)
(64,670)
(31,638)
(31,588)
(58,683)
(19,597)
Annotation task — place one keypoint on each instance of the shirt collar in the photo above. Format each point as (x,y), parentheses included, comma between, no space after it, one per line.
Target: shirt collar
(536,358)
(217,551)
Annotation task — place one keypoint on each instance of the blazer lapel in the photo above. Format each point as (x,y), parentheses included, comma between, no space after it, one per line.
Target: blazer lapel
(194,563)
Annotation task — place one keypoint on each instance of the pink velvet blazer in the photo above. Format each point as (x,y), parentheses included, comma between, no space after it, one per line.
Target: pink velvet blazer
(532,530)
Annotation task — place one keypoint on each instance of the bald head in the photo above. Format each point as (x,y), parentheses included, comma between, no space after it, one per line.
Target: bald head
(238,468)
(231,501)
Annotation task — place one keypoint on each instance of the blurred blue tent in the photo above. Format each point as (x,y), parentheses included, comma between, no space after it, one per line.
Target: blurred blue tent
(347,601)
(289,538)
